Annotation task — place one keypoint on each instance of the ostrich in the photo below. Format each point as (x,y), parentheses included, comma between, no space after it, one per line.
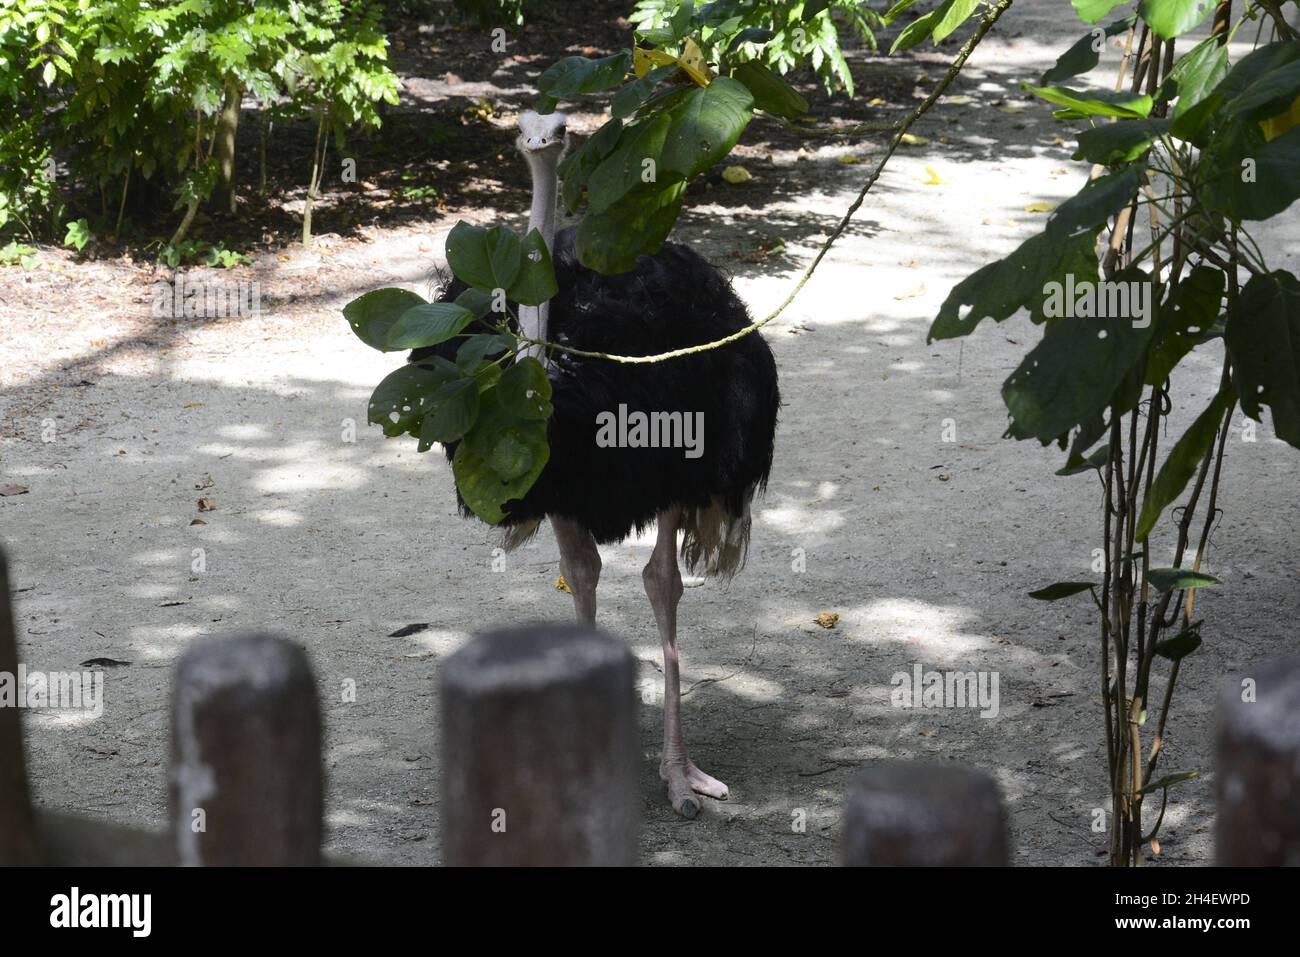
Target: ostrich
(595,494)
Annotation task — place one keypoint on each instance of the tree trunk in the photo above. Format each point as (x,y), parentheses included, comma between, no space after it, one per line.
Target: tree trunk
(227,126)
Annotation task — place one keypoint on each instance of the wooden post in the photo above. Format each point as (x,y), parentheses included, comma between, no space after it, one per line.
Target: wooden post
(539,749)
(1258,774)
(17,828)
(246,783)
(910,814)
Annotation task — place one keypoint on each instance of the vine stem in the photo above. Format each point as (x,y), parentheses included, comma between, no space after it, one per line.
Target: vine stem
(986,23)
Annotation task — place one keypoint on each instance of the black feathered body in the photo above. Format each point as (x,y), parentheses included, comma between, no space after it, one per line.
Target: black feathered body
(671,300)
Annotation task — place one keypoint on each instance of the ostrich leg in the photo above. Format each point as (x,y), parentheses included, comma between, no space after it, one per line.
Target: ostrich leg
(579,564)
(663,586)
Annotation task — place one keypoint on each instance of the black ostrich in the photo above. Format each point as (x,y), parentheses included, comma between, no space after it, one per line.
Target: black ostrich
(595,493)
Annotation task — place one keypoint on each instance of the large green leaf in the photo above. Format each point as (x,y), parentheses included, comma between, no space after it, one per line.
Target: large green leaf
(1084,54)
(1173,18)
(629,99)
(954,16)
(487,462)
(536,280)
(770,91)
(705,126)
(1183,461)
(1090,11)
(1263,338)
(1080,103)
(1073,373)
(920,28)
(372,315)
(451,411)
(1198,73)
(576,168)
(609,241)
(1178,579)
(626,168)
(486,259)
(525,391)
(1184,320)
(1246,176)
(576,75)
(1122,141)
(402,397)
(1089,208)
(428,324)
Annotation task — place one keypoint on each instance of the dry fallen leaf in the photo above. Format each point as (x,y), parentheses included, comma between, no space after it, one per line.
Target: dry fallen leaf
(198,521)
(562,585)
(960,99)
(193,405)
(911,139)
(934,180)
(827,619)
(929,733)
(876,102)
(848,159)
(207,505)
(912,293)
(735,175)
(1155,847)
(1040,207)
(13,490)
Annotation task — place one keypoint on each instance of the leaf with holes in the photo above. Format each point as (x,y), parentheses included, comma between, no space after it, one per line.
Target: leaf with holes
(1263,338)
(525,391)
(372,316)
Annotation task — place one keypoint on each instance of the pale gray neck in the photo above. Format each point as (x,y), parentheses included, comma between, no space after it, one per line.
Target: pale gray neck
(533,319)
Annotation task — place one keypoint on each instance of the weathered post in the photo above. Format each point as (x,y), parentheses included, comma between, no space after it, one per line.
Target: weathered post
(246,782)
(910,814)
(539,749)
(1258,774)
(17,828)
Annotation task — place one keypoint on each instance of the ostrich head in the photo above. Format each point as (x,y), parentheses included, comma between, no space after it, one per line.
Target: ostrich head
(542,136)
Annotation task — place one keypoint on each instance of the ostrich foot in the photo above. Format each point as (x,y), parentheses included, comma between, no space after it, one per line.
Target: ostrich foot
(684,781)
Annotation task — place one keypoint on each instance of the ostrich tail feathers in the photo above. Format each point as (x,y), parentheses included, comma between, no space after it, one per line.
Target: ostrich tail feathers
(512,536)
(715,539)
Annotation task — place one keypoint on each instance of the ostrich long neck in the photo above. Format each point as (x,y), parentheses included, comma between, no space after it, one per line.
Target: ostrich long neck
(532,319)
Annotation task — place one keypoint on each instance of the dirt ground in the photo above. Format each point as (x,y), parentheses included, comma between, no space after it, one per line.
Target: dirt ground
(925,548)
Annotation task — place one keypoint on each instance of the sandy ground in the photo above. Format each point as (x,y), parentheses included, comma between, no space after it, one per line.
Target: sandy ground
(924,548)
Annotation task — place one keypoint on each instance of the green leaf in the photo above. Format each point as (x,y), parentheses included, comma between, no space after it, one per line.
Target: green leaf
(1084,54)
(892,14)
(1247,177)
(576,75)
(576,168)
(956,14)
(476,301)
(78,234)
(1074,372)
(1169,780)
(427,325)
(1177,579)
(525,391)
(1090,11)
(1198,73)
(1077,463)
(609,241)
(1113,144)
(486,259)
(1091,103)
(1183,461)
(402,397)
(629,99)
(1184,320)
(920,28)
(626,168)
(771,92)
(451,412)
(536,281)
(1182,644)
(1263,339)
(476,348)
(1095,203)
(1173,18)
(1059,590)
(1264,83)
(705,126)
(484,489)
(371,316)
